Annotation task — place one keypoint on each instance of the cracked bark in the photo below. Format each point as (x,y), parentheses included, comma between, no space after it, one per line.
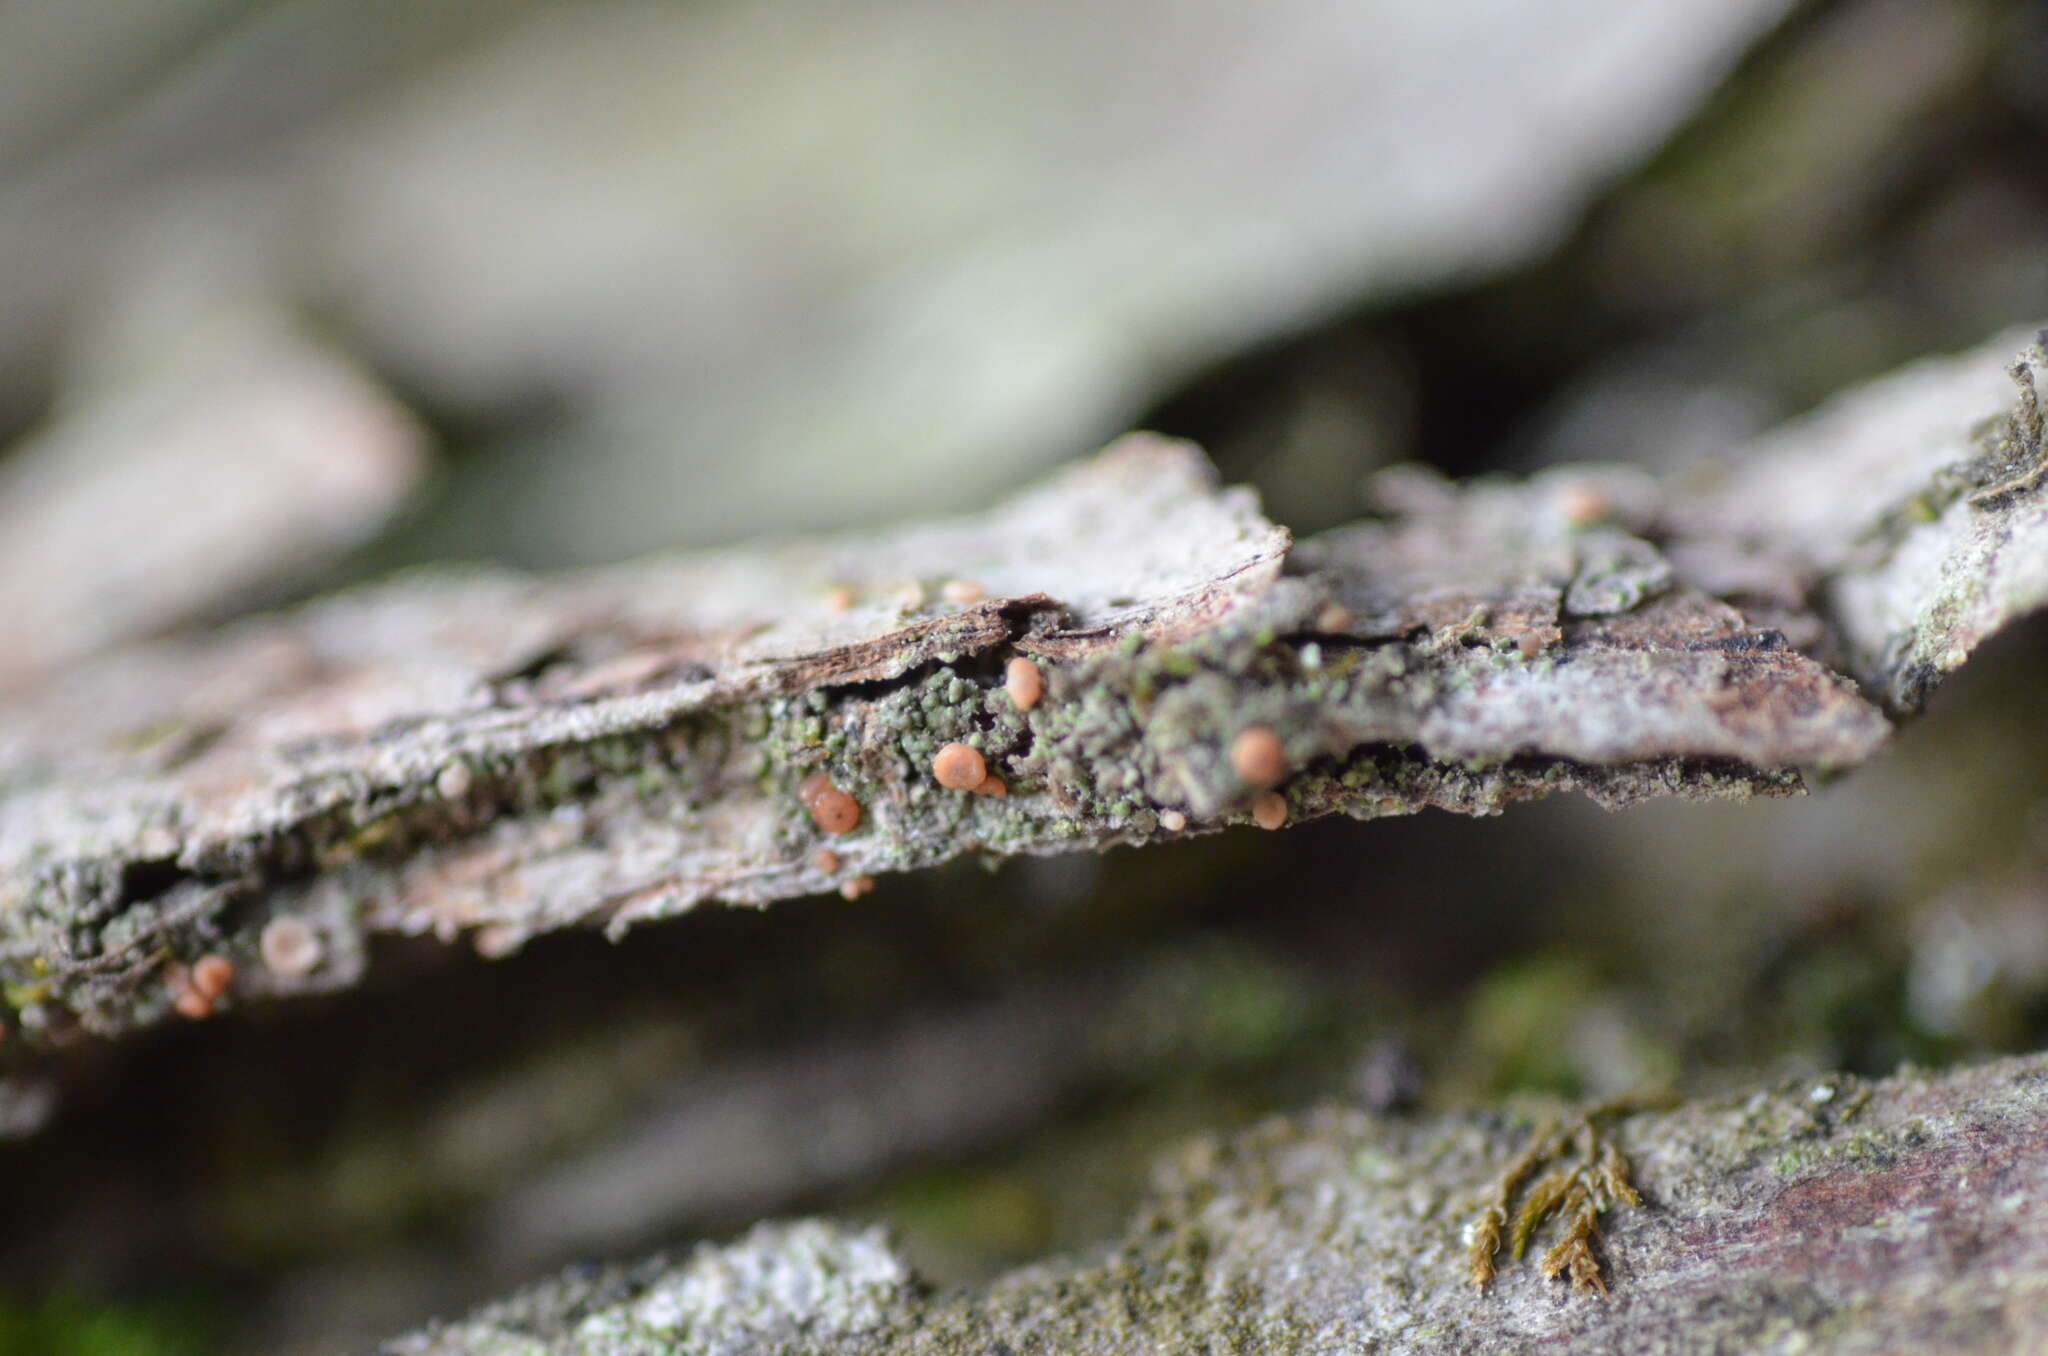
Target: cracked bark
(494,754)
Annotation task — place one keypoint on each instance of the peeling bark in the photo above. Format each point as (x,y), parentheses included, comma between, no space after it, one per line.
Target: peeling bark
(1834,1216)
(497,754)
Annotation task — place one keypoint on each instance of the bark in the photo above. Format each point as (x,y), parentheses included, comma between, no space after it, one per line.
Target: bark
(188,481)
(495,754)
(1827,1215)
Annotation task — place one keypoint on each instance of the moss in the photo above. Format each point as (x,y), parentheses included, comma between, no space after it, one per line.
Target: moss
(1868,1150)
(1516,1019)
(985,1213)
(69,1326)
(1584,1176)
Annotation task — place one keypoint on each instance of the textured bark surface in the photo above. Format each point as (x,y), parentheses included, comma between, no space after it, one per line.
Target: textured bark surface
(1918,534)
(497,754)
(1836,1216)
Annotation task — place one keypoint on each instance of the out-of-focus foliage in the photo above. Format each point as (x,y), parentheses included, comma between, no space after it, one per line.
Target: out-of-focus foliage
(61,1326)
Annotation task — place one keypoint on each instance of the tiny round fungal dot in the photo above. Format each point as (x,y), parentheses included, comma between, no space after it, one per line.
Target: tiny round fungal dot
(962,592)
(1334,619)
(827,861)
(839,599)
(992,785)
(1173,821)
(1258,757)
(211,976)
(831,809)
(810,788)
(290,946)
(194,1004)
(856,887)
(959,767)
(1024,682)
(1269,811)
(1530,644)
(454,781)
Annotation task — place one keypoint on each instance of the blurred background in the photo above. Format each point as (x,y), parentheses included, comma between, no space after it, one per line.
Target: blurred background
(298,292)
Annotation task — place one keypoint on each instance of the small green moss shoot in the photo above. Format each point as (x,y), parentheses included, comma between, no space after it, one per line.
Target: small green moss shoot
(1588,1176)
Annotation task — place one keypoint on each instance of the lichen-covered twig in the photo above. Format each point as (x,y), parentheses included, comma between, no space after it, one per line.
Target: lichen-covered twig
(490,755)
